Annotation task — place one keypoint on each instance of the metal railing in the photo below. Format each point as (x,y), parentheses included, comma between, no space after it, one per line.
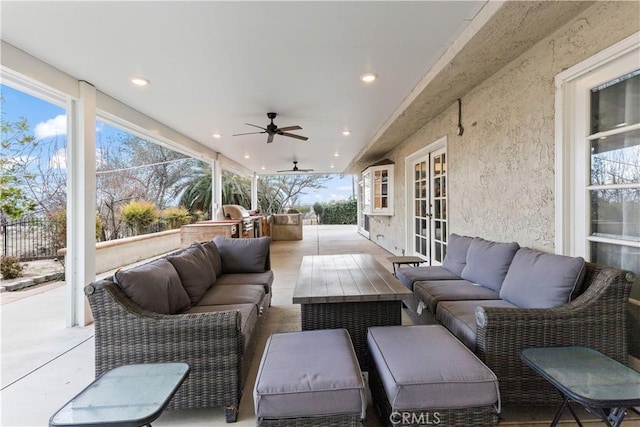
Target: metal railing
(29,238)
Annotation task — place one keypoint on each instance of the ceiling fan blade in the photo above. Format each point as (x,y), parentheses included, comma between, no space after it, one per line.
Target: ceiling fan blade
(304,170)
(270,138)
(256,126)
(248,133)
(288,128)
(291,135)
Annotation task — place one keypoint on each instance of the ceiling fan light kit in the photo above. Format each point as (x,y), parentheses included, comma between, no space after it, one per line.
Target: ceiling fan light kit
(272,130)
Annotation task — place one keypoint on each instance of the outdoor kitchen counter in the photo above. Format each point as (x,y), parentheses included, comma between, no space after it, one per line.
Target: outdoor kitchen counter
(207,230)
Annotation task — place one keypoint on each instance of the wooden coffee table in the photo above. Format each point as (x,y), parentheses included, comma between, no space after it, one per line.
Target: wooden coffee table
(351,291)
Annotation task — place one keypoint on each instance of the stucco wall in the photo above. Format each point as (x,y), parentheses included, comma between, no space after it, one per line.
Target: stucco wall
(501,171)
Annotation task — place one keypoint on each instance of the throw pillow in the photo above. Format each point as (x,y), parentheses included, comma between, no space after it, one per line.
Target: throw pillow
(243,255)
(539,280)
(155,286)
(195,271)
(456,257)
(488,262)
(214,257)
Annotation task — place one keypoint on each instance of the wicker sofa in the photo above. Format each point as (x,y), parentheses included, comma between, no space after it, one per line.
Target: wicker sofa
(518,298)
(202,305)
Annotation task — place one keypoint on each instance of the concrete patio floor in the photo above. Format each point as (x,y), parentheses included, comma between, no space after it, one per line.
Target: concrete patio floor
(44,364)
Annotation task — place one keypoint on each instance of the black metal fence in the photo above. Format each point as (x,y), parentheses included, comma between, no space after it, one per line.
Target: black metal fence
(30,237)
(36,237)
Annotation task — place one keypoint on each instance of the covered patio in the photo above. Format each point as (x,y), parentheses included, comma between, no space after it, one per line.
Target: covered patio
(45,364)
(480,125)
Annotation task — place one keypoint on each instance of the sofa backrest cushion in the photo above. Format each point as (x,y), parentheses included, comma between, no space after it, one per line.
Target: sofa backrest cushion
(539,280)
(456,257)
(488,262)
(195,270)
(214,256)
(154,286)
(243,255)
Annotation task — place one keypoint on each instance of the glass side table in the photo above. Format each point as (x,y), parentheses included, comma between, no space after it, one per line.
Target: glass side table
(585,376)
(126,396)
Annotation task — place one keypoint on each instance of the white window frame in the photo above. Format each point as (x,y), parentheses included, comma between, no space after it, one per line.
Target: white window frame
(571,129)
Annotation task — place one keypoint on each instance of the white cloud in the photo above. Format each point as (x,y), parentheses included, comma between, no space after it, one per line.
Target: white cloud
(59,159)
(336,197)
(52,127)
(344,188)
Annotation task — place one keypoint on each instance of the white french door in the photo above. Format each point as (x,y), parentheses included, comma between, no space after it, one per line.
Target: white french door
(426,178)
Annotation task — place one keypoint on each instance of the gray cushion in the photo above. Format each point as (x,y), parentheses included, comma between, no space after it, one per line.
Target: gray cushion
(459,317)
(409,275)
(155,286)
(246,294)
(456,258)
(243,255)
(488,262)
(309,373)
(433,370)
(432,292)
(214,256)
(539,280)
(264,279)
(195,270)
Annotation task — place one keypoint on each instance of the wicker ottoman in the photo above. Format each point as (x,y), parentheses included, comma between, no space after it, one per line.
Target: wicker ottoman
(423,375)
(310,378)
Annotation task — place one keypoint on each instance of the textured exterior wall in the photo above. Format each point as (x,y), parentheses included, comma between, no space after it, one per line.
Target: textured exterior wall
(501,171)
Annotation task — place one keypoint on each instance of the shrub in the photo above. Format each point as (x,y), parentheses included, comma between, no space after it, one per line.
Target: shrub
(139,215)
(341,212)
(318,209)
(58,230)
(10,267)
(176,217)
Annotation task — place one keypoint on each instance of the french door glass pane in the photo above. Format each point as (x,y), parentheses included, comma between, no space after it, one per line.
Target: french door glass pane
(616,159)
(615,213)
(616,103)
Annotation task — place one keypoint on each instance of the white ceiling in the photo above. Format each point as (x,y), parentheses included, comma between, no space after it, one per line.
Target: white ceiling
(214,66)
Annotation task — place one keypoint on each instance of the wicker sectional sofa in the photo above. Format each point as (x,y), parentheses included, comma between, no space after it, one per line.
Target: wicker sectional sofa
(202,305)
(499,298)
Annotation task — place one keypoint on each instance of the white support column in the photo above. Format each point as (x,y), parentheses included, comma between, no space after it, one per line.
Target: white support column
(80,268)
(216,187)
(254,192)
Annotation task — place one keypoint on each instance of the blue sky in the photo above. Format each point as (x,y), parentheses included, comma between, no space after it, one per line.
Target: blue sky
(48,121)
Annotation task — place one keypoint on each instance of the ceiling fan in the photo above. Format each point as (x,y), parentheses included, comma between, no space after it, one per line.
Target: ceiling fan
(296,169)
(273,130)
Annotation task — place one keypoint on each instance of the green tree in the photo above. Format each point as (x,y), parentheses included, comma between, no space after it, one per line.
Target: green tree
(13,200)
(318,209)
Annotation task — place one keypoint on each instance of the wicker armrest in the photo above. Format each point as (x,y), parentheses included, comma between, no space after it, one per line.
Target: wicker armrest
(596,319)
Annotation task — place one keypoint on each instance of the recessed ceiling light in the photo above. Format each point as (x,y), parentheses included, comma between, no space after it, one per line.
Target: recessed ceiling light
(263,168)
(331,166)
(368,77)
(346,132)
(140,81)
(217,135)
(336,154)
(246,156)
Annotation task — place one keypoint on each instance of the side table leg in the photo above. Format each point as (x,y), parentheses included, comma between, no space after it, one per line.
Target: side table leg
(556,419)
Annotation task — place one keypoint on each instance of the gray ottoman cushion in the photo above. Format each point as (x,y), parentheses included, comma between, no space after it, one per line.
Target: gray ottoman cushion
(309,374)
(433,371)
(409,275)
(432,292)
